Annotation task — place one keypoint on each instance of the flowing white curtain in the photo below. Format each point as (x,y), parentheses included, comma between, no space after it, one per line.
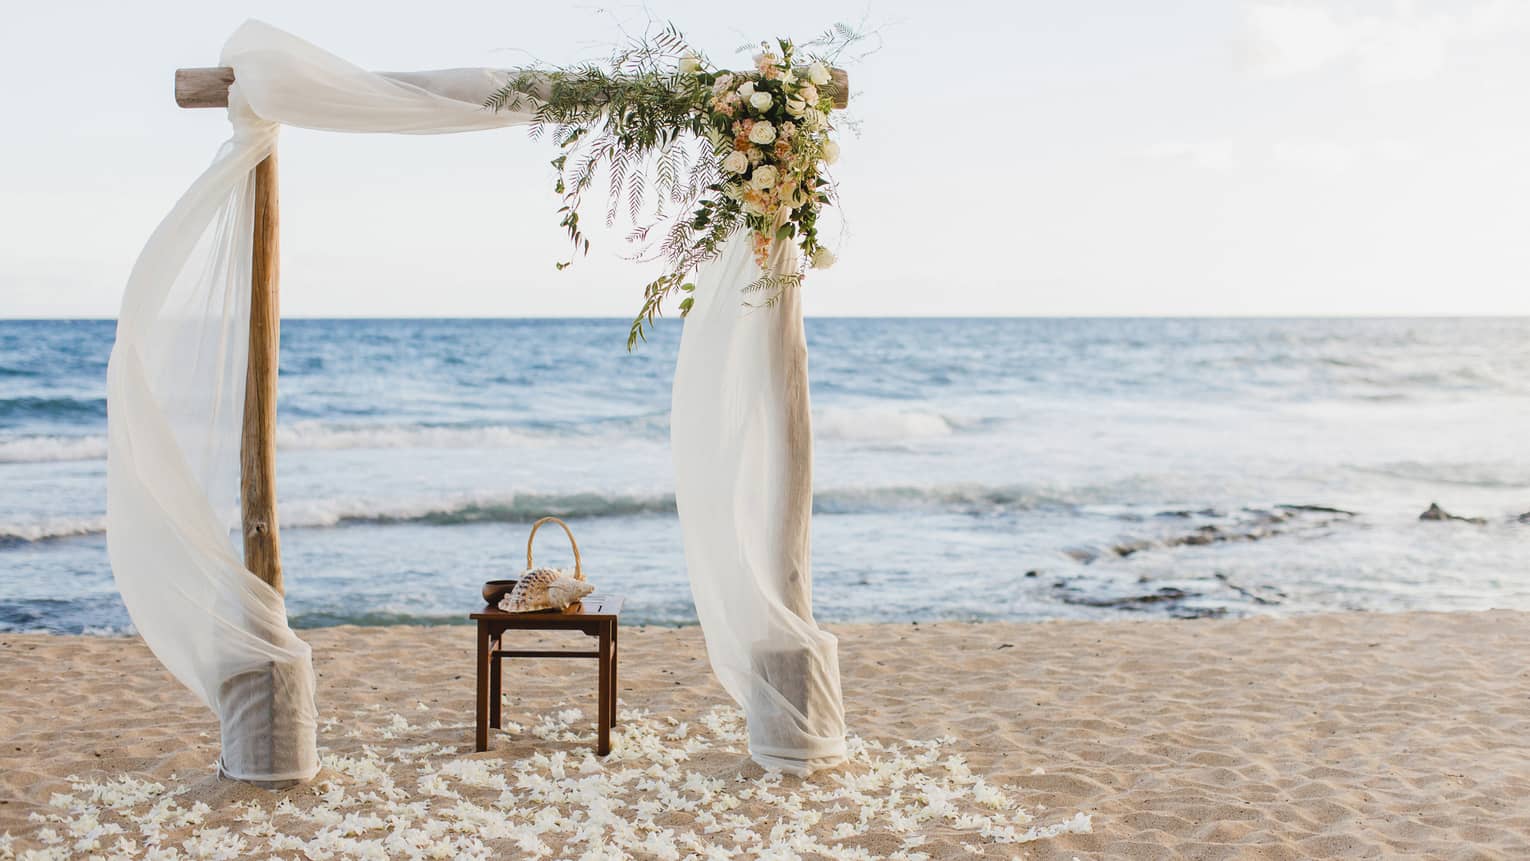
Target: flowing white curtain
(175,396)
(742,439)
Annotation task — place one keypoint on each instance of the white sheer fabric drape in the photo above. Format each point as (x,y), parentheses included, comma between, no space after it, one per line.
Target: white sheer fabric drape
(742,439)
(175,394)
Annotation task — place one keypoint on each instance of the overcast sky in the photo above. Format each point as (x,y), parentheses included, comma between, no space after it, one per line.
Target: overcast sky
(1024,158)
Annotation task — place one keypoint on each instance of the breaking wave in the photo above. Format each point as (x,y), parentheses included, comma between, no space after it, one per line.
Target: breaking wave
(871,424)
(526,507)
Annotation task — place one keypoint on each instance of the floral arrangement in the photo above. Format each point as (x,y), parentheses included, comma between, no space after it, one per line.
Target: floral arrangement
(778,125)
(698,152)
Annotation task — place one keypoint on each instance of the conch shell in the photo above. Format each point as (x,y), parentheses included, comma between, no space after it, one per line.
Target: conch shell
(544,589)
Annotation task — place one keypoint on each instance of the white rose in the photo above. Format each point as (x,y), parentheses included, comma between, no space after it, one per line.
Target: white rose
(795,107)
(830,152)
(763,133)
(818,73)
(746,90)
(823,258)
(690,64)
(809,94)
(736,162)
(760,102)
(764,177)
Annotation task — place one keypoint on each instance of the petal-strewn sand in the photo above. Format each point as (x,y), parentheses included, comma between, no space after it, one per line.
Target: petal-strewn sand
(1324,736)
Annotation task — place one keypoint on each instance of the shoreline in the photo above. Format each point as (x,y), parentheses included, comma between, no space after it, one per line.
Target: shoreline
(1325,735)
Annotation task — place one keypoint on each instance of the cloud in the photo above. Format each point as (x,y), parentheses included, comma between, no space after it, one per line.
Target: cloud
(1291,39)
(1213,155)
(1307,154)
(1319,156)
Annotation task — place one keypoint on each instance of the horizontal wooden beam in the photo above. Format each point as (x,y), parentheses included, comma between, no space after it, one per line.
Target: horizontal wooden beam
(207,87)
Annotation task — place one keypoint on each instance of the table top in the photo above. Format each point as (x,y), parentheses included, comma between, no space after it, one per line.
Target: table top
(592,608)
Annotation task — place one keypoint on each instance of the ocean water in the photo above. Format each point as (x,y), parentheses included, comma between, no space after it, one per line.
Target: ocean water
(965,469)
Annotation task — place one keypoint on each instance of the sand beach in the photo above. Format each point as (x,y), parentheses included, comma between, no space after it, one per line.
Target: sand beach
(1324,736)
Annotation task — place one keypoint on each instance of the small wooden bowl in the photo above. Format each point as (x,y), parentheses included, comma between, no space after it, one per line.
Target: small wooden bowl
(494,590)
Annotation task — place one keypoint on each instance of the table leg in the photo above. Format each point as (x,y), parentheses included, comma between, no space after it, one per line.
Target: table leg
(615,662)
(603,723)
(496,689)
(481,739)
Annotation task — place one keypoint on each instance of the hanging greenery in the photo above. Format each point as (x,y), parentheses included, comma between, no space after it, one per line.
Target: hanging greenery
(693,153)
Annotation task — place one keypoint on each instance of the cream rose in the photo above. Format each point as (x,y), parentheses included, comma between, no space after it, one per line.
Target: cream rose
(760,102)
(809,94)
(763,178)
(795,107)
(823,258)
(763,133)
(746,90)
(736,162)
(830,152)
(818,73)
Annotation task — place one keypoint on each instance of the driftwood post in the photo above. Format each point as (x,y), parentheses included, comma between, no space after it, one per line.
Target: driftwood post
(262,696)
(257,443)
(260,699)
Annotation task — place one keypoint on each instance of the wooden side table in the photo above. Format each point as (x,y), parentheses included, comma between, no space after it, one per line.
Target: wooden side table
(596,616)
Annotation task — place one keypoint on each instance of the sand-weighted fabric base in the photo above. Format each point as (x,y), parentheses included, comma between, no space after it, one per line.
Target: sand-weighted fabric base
(1327,736)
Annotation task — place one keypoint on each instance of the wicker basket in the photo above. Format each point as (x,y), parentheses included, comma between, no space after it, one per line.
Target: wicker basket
(494,590)
(578,571)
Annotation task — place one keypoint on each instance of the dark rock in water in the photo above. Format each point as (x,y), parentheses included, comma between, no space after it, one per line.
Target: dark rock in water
(1131,602)
(1249,523)
(1198,612)
(1033,573)
(1435,512)
(1183,513)
(1524,518)
(1257,599)
(1128,548)
(1316,509)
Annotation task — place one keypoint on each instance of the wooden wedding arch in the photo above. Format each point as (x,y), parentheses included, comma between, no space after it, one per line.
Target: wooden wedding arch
(207,87)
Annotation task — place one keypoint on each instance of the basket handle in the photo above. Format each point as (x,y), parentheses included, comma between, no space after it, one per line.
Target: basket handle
(578,572)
